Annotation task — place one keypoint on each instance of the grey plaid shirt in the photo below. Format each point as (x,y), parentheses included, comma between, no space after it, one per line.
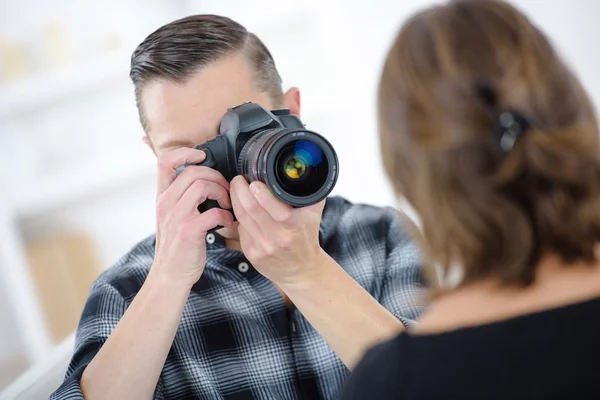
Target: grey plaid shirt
(237,339)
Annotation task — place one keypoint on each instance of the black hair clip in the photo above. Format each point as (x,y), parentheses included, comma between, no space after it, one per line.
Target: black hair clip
(510,126)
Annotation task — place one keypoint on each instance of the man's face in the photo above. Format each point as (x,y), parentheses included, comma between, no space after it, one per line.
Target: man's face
(188,114)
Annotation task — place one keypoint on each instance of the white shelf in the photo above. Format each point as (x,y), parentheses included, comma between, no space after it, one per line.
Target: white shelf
(44,376)
(36,92)
(36,199)
(21,291)
(83,183)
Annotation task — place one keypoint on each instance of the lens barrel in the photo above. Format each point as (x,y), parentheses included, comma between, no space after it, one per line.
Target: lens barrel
(300,167)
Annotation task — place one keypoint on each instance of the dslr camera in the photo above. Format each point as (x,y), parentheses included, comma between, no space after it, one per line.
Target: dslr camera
(299,166)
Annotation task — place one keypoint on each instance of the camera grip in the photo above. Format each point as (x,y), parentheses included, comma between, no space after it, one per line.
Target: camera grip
(207,205)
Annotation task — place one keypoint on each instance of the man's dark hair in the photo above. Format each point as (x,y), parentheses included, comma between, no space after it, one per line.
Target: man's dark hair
(177,50)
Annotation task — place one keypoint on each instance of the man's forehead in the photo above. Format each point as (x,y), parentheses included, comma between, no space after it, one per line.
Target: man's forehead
(196,106)
(213,87)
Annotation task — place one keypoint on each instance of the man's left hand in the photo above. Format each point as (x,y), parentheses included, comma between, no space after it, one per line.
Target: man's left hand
(281,242)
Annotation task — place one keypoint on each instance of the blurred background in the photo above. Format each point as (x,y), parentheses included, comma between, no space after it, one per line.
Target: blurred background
(76,182)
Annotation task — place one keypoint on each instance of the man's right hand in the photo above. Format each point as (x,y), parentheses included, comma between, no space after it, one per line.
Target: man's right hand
(181,228)
(145,332)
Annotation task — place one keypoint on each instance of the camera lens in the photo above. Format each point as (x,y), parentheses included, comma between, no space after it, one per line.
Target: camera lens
(300,167)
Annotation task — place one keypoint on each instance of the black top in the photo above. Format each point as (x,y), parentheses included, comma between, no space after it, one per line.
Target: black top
(553,354)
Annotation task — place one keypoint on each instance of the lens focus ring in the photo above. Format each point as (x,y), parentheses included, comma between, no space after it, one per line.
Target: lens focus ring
(247,164)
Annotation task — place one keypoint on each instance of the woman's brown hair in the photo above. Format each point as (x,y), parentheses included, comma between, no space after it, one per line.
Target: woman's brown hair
(450,74)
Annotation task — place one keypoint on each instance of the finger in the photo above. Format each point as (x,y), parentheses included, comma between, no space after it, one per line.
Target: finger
(187,178)
(241,213)
(246,241)
(252,207)
(277,209)
(198,193)
(211,219)
(168,163)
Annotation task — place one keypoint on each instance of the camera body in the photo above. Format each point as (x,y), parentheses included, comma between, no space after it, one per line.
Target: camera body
(299,166)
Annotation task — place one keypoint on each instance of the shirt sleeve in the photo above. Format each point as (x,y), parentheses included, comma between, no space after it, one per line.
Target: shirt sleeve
(402,288)
(103,309)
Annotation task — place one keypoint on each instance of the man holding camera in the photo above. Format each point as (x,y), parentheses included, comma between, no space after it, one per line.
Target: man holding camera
(278,304)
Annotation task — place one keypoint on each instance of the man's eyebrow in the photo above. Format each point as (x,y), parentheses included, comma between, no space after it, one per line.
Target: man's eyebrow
(176,143)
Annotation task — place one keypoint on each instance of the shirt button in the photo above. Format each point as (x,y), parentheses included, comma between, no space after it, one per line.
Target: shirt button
(210,238)
(243,267)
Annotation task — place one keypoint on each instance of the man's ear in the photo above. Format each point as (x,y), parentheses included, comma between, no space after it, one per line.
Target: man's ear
(291,100)
(148,143)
